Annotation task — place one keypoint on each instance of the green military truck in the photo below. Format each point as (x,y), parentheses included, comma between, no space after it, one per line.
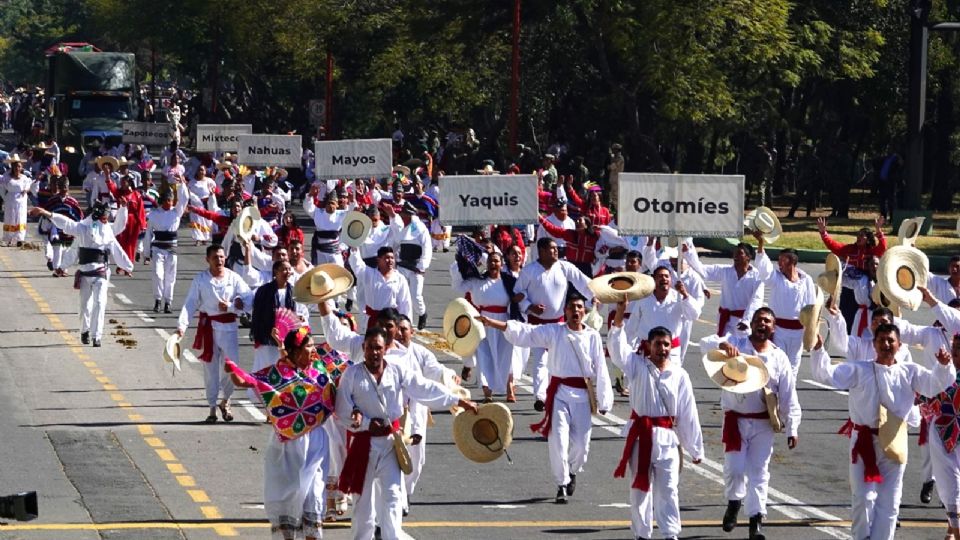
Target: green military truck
(90,94)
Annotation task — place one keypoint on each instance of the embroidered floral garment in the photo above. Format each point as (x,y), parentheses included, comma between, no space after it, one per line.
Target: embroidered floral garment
(944,412)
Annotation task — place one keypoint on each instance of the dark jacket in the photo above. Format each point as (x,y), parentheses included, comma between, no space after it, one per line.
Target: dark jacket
(265,305)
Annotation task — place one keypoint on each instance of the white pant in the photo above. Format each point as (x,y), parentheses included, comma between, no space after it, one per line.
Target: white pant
(685,328)
(746,474)
(418,457)
(875,505)
(93,304)
(415,282)
(57,251)
(791,341)
(382,497)
(215,379)
(946,468)
(661,501)
(263,356)
(569,441)
(926,462)
(320,257)
(538,369)
(164,275)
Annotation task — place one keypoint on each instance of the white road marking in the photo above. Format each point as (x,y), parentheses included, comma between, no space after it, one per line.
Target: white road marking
(123,298)
(251,409)
(252,506)
(163,333)
(826,387)
(143,316)
(614,505)
(504,506)
(190,357)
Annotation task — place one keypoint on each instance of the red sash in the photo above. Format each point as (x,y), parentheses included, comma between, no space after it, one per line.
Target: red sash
(924,432)
(372,315)
(862,325)
(492,309)
(725,315)
(863,449)
(204,339)
(543,426)
(641,432)
(789,324)
(354,471)
(533,319)
(731,428)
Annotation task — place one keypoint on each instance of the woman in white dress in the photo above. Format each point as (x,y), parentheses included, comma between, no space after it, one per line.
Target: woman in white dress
(495,355)
(15,186)
(201,187)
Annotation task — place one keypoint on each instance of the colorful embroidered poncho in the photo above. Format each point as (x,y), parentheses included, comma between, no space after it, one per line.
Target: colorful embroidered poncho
(297,401)
(944,411)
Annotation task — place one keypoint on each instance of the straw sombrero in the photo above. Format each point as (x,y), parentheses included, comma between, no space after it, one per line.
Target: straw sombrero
(171,351)
(909,231)
(355,228)
(321,283)
(403,169)
(739,374)
(829,280)
(610,288)
(810,319)
(245,223)
(13,158)
(461,328)
(902,271)
(451,384)
(114,162)
(485,436)
(766,221)
(880,299)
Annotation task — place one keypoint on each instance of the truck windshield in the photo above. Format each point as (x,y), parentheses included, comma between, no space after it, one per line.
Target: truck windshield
(99,107)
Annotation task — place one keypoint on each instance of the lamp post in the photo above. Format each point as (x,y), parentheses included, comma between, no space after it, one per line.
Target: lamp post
(515,75)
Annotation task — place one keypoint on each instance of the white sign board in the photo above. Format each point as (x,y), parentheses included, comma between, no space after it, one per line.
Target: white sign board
(698,205)
(354,158)
(269,150)
(488,199)
(146,133)
(220,137)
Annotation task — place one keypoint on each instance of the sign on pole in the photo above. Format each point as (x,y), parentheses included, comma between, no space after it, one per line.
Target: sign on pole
(699,205)
(269,150)
(488,199)
(318,112)
(146,133)
(220,137)
(354,158)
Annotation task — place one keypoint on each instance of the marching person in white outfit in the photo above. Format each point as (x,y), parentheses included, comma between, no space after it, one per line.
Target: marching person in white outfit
(876,480)
(217,293)
(15,185)
(369,404)
(414,247)
(862,285)
(327,221)
(383,285)
(947,288)
(666,307)
(672,261)
(741,289)
(544,284)
(96,242)
(579,386)
(790,290)
(162,226)
(663,415)
(859,349)
(202,187)
(747,431)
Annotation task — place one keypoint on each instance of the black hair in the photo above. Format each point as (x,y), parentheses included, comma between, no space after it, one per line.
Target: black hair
(881,311)
(290,340)
(375,331)
(545,242)
(886,328)
(955,303)
(383,250)
(277,265)
(388,314)
(765,309)
(633,254)
(659,331)
(573,295)
(212,248)
(955,258)
(747,248)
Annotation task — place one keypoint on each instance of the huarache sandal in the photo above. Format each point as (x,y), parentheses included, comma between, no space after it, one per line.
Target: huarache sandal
(225,412)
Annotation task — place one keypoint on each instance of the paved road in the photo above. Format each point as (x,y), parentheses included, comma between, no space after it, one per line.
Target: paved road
(112,440)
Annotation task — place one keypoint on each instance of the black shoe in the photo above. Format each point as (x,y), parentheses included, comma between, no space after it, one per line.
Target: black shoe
(137,256)
(422,322)
(96,342)
(406,512)
(156,306)
(166,307)
(85,338)
(465,375)
(756,524)
(926,492)
(49,264)
(538,405)
(730,516)
(572,486)
(561,495)
(376,532)
(348,306)
(19,244)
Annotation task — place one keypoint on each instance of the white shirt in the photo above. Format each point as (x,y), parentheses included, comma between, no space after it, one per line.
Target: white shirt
(539,285)
(649,313)
(736,292)
(857,348)
(382,291)
(871,384)
(564,361)
(415,233)
(379,237)
(941,289)
(167,220)
(202,188)
(787,297)
(205,294)
(566,224)
(483,292)
(323,220)
(96,235)
(782,382)
(657,393)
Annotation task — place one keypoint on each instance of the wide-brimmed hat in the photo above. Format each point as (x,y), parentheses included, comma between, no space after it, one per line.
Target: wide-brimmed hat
(909,231)
(810,319)
(740,374)
(245,223)
(14,158)
(114,162)
(485,436)
(610,288)
(829,280)
(403,169)
(488,169)
(902,271)
(880,299)
(321,283)
(171,350)
(766,221)
(461,328)
(355,228)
